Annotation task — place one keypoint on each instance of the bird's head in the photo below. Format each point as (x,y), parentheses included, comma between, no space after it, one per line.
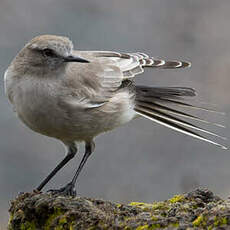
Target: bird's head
(44,54)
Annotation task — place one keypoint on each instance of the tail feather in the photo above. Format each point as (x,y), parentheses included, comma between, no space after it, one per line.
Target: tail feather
(158,92)
(176,64)
(150,103)
(153,105)
(179,128)
(183,104)
(169,95)
(147,61)
(152,62)
(176,120)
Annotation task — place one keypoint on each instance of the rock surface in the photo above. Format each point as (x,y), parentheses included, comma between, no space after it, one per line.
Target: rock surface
(199,209)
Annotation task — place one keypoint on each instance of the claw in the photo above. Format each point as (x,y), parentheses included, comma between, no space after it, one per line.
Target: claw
(68,190)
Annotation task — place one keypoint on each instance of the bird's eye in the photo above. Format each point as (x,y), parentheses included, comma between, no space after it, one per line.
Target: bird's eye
(48,53)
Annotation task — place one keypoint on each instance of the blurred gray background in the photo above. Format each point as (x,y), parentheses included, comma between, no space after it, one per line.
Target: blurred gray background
(141,161)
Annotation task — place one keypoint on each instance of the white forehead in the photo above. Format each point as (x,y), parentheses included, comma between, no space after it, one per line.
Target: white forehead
(61,45)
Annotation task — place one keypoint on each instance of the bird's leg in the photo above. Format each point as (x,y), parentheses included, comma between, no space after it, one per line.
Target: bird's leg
(69,189)
(72,150)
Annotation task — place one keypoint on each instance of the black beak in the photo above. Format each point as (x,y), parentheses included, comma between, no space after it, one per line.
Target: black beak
(75,59)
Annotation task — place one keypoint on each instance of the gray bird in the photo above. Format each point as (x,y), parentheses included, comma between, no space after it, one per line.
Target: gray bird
(76,95)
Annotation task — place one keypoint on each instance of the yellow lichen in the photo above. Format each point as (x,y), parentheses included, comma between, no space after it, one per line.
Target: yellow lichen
(150,207)
(62,224)
(144,206)
(225,220)
(57,212)
(59,228)
(10,220)
(63,220)
(91,228)
(143,227)
(154,226)
(199,221)
(177,198)
(159,205)
(137,204)
(154,218)
(175,225)
(218,221)
(27,226)
(127,228)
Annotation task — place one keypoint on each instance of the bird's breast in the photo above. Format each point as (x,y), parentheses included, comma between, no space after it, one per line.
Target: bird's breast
(36,105)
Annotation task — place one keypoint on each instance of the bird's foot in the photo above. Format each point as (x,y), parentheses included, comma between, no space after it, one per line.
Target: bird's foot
(68,190)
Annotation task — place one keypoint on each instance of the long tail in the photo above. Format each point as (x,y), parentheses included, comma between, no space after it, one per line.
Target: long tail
(152,103)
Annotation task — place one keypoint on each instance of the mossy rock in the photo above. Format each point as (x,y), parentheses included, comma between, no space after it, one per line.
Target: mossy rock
(199,209)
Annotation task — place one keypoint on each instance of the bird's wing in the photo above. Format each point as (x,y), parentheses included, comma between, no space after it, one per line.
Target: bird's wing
(96,82)
(132,64)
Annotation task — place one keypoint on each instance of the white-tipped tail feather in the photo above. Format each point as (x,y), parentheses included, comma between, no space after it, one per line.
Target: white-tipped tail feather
(152,103)
(157,113)
(180,129)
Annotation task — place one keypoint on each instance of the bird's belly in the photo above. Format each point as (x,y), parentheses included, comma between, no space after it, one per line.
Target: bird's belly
(43,113)
(118,111)
(82,126)
(41,118)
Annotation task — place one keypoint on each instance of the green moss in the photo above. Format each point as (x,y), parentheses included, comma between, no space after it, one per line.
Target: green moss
(143,206)
(57,212)
(127,228)
(27,226)
(92,228)
(63,220)
(149,227)
(175,225)
(218,221)
(70,227)
(160,206)
(199,221)
(177,198)
(143,227)
(154,226)
(150,207)
(225,220)
(10,220)
(59,228)
(154,218)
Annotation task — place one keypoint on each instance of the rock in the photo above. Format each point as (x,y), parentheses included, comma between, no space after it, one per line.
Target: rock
(199,209)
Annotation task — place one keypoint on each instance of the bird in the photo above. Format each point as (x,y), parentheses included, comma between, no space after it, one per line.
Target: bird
(74,96)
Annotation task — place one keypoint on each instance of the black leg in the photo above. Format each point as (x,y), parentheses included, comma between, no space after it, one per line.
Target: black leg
(70,155)
(89,147)
(69,189)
